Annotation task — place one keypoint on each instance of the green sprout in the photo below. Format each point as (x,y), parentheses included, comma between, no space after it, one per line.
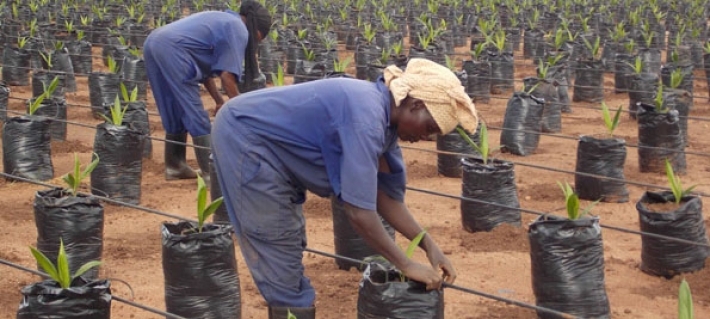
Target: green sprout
(47,58)
(48,91)
(482,147)
(79,35)
(685,301)
(204,211)
(74,180)
(478,49)
(610,123)
(593,48)
(648,38)
(84,20)
(676,186)
(630,46)
(309,54)
(397,48)
(676,78)
(21,42)
(619,32)
(135,51)
(117,112)
(69,26)
(278,77)
(369,32)
(290,315)
(560,39)
(60,272)
(410,249)
(499,40)
(274,36)
(542,70)
(424,41)
(637,66)
(128,98)
(450,63)
(572,202)
(112,65)
(658,100)
(707,47)
(302,34)
(340,66)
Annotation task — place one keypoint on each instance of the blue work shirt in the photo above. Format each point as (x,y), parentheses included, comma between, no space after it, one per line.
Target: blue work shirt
(329,134)
(215,40)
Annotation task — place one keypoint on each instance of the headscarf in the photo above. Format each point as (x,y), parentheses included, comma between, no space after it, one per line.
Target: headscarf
(439,89)
(257,19)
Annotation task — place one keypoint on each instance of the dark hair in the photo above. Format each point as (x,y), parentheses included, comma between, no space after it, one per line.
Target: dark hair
(257,19)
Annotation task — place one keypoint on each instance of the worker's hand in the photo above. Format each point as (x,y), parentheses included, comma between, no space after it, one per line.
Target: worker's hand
(422,273)
(216,108)
(439,261)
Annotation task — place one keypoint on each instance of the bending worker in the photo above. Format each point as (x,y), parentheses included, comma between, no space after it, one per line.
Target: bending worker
(181,55)
(331,137)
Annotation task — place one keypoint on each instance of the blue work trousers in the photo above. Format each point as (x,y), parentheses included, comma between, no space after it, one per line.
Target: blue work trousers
(265,209)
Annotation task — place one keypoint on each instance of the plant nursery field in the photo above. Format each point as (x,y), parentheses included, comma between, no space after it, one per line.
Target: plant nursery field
(496,262)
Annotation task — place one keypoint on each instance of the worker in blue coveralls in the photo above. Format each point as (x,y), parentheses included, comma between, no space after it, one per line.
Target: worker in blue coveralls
(331,137)
(191,51)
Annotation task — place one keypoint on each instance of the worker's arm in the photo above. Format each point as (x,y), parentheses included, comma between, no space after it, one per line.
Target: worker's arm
(397,214)
(229,83)
(212,89)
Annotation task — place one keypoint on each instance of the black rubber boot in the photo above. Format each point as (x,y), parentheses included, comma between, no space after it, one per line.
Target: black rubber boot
(202,152)
(175,165)
(300,313)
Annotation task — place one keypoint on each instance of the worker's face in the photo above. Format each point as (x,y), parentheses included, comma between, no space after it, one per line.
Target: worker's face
(415,123)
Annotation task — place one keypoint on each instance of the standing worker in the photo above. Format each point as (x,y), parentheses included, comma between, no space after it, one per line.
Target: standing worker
(181,55)
(331,137)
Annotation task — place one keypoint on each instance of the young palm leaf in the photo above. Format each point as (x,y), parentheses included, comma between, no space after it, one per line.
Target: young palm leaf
(48,91)
(204,211)
(410,249)
(117,113)
(572,202)
(482,147)
(290,315)
(74,180)
(60,272)
(610,123)
(278,77)
(676,186)
(685,301)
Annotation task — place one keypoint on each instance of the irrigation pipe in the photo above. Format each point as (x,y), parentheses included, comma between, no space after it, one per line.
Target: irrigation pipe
(117,298)
(466,290)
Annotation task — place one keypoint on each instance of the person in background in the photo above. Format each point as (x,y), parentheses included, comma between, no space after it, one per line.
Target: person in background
(192,51)
(331,137)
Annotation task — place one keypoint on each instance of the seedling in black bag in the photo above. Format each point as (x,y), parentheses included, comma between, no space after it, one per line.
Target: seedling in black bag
(47,93)
(482,147)
(658,100)
(637,66)
(339,66)
(112,65)
(204,211)
(676,186)
(611,124)
(572,203)
(290,315)
(117,113)
(74,180)
(685,301)
(478,50)
(278,77)
(60,272)
(676,78)
(126,97)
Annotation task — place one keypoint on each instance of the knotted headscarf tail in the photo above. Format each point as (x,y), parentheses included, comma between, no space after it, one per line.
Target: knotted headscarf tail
(439,89)
(257,19)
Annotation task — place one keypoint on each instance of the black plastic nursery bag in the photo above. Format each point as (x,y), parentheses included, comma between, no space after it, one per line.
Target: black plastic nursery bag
(383,296)
(449,165)
(136,117)
(77,220)
(118,174)
(666,258)
(567,261)
(26,148)
(589,82)
(494,184)
(4,96)
(604,157)
(522,124)
(660,138)
(83,300)
(200,269)
(547,90)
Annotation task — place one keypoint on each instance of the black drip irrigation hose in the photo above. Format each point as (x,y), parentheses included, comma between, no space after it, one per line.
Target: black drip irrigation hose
(466,290)
(117,298)
(552,169)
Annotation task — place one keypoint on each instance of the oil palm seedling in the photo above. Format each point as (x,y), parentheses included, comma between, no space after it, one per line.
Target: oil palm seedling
(59,272)
(675,185)
(610,123)
(572,203)
(73,179)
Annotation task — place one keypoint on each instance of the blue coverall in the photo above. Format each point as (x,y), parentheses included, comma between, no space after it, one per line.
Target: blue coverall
(272,145)
(181,55)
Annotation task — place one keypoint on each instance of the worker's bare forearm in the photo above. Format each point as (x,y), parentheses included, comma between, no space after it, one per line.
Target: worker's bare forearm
(367,223)
(212,89)
(229,83)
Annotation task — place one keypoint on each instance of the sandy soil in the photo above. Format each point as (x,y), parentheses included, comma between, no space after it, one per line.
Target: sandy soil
(497,262)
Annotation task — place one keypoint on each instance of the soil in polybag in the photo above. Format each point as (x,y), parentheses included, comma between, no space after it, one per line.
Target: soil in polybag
(660,138)
(552,112)
(567,262)
(661,257)
(604,157)
(26,148)
(347,241)
(450,165)
(77,220)
(522,124)
(200,270)
(494,189)
(83,300)
(382,294)
(118,173)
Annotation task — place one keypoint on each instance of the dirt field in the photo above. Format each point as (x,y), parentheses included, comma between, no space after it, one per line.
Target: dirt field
(496,263)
